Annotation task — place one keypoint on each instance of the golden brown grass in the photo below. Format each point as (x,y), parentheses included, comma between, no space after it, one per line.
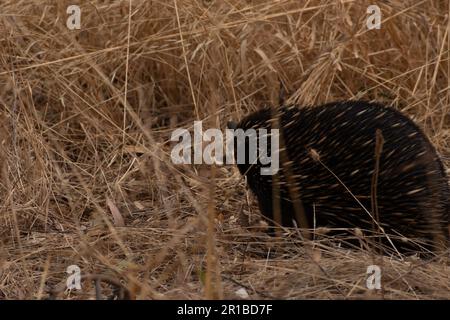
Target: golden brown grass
(86,116)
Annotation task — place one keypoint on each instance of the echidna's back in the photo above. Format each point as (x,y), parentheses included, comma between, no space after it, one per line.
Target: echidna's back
(412,189)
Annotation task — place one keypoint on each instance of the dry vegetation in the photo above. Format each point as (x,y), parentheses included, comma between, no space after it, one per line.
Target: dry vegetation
(86,117)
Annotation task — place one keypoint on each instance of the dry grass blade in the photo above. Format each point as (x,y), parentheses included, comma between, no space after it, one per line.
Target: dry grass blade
(117,216)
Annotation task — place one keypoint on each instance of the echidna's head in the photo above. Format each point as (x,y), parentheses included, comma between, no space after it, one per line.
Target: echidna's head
(255,144)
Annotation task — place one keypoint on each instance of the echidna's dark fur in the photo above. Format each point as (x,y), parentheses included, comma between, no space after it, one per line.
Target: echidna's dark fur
(413,192)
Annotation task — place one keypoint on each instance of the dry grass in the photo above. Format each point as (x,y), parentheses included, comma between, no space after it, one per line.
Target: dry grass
(86,117)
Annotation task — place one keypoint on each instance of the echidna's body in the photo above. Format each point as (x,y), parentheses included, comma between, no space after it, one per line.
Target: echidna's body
(412,188)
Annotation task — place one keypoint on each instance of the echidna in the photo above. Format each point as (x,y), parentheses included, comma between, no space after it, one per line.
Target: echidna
(328,172)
